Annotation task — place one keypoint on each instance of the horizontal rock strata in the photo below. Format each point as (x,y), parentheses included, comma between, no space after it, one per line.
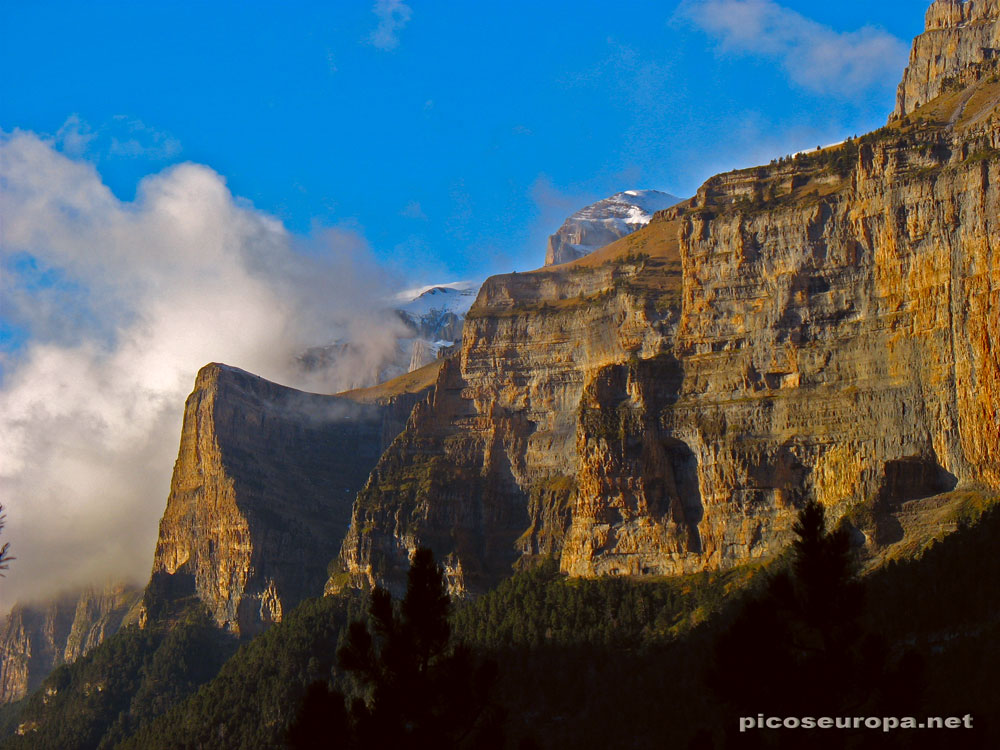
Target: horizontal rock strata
(824,328)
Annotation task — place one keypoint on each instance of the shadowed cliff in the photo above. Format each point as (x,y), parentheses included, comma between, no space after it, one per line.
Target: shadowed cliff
(261,494)
(37,638)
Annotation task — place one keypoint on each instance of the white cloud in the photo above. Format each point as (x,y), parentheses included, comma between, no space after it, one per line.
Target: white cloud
(413,210)
(134,138)
(123,303)
(392,15)
(74,136)
(814,56)
(121,136)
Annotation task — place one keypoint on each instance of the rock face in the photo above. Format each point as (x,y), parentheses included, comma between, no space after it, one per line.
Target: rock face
(261,493)
(822,328)
(961,44)
(601,223)
(37,638)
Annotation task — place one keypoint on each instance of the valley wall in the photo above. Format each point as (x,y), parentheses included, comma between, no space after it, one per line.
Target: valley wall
(822,328)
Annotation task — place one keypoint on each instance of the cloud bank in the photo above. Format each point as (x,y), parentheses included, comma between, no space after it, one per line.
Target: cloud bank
(121,303)
(814,56)
(392,16)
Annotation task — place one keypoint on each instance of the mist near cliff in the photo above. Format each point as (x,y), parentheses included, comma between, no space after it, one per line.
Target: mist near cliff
(117,305)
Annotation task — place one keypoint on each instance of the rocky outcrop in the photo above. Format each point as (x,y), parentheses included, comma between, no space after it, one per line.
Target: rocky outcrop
(821,328)
(37,638)
(99,613)
(261,493)
(960,45)
(603,222)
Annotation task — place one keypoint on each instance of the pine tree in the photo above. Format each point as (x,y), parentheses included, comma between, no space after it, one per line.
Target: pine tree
(5,556)
(417,689)
(801,648)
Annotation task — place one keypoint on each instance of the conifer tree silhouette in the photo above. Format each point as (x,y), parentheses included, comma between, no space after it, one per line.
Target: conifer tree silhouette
(5,556)
(801,649)
(420,691)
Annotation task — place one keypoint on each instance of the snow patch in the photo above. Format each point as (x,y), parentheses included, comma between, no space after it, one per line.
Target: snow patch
(454,297)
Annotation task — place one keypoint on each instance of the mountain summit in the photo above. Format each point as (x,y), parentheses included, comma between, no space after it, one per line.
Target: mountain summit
(602,223)
(959,46)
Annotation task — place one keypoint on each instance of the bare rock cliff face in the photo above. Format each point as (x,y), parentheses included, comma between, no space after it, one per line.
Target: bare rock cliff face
(35,639)
(960,44)
(261,493)
(486,471)
(825,328)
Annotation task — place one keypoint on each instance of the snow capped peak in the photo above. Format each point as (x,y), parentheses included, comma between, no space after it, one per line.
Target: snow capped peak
(631,206)
(462,287)
(601,223)
(454,297)
(435,315)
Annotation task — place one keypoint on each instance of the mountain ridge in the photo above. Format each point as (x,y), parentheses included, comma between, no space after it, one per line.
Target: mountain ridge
(822,328)
(261,493)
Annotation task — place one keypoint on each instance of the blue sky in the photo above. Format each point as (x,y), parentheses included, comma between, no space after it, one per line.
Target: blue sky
(453,136)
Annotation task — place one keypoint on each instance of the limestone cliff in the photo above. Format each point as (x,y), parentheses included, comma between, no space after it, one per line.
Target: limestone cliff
(37,638)
(486,470)
(261,493)
(960,45)
(825,328)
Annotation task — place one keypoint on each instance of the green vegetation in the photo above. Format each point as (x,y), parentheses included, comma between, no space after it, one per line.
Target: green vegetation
(613,662)
(839,160)
(413,686)
(949,595)
(5,556)
(810,646)
(606,662)
(123,684)
(632,256)
(9,717)
(588,663)
(254,698)
(540,607)
(984,154)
